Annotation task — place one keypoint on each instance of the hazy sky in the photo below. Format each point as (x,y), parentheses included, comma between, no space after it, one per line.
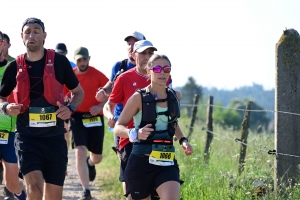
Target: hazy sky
(223,44)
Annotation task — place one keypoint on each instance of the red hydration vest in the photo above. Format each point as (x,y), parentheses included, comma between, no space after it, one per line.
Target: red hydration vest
(53,90)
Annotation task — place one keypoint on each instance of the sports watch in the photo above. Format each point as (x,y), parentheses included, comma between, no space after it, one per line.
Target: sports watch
(71,107)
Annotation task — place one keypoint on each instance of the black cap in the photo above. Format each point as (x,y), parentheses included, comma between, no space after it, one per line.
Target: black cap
(61,47)
(33,20)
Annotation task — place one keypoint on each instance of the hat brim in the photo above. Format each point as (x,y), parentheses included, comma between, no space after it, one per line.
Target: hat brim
(144,48)
(60,51)
(130,37)
(77,57)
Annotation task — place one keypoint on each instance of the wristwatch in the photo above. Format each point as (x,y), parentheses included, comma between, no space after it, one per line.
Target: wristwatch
(183,139)
(71,107)
(133,135)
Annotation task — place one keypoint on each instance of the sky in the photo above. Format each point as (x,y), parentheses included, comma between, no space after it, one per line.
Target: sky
(223,44)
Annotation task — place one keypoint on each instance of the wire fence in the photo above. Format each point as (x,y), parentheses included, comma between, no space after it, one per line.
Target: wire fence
(239,109)
(273,152)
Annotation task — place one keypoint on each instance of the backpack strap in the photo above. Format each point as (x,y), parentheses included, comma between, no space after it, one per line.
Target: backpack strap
(123,65)
(122,68)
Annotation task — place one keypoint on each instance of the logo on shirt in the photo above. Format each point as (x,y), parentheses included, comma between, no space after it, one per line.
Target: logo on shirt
(134,84)
(49,63)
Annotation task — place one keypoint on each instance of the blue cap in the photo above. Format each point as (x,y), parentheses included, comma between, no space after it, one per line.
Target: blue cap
(136,35)
(142,45)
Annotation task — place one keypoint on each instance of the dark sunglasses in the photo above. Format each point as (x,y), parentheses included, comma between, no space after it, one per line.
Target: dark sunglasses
(158,68)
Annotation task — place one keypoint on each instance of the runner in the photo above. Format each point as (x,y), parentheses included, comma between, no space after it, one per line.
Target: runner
(103,93)
(38,94)
(6,48)
(87,123)
(155,110)
(61,48)
(124,87)
(7,128)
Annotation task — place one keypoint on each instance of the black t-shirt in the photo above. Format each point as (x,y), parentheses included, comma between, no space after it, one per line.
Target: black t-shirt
(64,74)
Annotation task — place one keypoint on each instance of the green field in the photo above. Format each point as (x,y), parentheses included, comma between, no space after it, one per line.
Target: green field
(217,179)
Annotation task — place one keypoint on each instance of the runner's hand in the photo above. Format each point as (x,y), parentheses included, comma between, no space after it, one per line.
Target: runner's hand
(63,111)
(13,109)
(101,95)
(111,122)
(95,110)
(188,149)
(144,132)
(175,138)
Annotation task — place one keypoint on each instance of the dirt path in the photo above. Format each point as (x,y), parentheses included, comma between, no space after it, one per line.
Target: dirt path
(72,187)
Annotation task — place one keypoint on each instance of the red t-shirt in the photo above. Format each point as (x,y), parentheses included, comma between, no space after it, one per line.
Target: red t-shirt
(90,82)
(124,87)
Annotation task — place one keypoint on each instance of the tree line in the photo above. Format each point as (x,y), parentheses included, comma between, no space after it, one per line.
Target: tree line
(237,99)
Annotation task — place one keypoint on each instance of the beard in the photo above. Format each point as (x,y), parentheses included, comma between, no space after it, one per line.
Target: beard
(131,58)
(33,48)
(83,68)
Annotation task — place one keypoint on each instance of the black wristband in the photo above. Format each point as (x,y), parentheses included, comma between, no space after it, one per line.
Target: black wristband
(182,139)
(101,88)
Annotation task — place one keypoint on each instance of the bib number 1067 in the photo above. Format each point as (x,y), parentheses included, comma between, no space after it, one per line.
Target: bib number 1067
(46,117)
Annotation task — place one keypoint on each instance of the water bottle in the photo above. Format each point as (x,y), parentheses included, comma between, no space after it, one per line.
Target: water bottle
(111,130)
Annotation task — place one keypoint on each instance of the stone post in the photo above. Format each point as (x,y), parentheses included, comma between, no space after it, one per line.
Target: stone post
(287,99)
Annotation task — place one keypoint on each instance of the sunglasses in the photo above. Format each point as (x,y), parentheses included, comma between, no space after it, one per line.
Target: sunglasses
(158,69)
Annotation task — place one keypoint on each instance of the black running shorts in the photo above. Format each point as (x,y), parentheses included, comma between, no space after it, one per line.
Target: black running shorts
(141,176)
(91,137)
(48,155)
(125,153)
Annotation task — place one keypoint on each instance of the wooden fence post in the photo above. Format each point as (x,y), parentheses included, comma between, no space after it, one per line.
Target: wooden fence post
(194,112)
(209,125)
(244,136)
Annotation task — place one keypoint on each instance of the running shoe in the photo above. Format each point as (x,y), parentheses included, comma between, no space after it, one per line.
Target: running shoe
(7,195)
(86,195)
(22,196)
(92,170)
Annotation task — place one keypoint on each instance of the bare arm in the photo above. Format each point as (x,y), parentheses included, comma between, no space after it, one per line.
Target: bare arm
(104,92)
(132,107)
(11,109)
(77,95)
(108,87)
(63,111)
(188,149)
(95,110)
(108,109)
(3,99)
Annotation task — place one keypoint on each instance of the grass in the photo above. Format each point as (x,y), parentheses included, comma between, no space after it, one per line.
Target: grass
(216,179)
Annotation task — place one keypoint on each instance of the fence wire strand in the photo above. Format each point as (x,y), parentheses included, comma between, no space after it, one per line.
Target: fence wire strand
(236,140)
(240,109)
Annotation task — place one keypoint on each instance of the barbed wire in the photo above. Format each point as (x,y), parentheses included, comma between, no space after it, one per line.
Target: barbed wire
(239,141)
(239,109)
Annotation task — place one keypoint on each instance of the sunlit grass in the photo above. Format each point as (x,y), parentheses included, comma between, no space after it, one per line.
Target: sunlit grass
(219,177)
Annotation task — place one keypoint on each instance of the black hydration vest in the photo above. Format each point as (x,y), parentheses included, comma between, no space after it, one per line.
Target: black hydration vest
(122,68)
(149,113)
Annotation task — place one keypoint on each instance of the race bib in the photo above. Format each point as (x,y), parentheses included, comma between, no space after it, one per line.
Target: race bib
(4,137)
(162,155)
(42,117)
(91,121)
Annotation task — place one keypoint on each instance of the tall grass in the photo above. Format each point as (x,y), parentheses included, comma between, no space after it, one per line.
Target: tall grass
(219,177)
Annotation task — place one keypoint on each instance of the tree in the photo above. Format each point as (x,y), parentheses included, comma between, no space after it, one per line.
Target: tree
(227,117)
(188,91)
(258,120)
(233,117)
